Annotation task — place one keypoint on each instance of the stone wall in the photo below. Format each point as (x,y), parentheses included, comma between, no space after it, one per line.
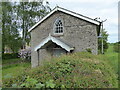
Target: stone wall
(77,32)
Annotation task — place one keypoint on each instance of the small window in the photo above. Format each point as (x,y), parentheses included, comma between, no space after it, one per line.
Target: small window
(58,26)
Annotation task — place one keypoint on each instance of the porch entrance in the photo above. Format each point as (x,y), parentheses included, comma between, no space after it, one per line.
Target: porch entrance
(58,52)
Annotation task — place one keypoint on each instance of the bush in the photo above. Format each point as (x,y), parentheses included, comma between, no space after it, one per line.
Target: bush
(78,70)
(116,47)
(89,50)
(10,56)
(25,54)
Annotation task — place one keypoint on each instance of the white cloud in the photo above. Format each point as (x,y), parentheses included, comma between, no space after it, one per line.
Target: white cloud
(105,9)
(84,1)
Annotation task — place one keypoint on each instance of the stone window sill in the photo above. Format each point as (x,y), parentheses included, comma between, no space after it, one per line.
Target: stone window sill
(58,34)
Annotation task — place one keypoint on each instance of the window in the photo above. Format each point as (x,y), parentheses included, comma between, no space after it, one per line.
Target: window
(58,28)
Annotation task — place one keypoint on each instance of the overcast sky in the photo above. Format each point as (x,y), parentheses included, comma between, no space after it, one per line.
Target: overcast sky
(105,9)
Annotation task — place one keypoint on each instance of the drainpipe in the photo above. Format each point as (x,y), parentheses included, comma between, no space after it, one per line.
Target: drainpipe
(38,56)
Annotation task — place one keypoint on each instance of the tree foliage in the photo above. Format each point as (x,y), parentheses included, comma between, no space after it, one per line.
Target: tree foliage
(0,29)
(105,39)
(28,14)
(10,33)
(116,46)
(17,18)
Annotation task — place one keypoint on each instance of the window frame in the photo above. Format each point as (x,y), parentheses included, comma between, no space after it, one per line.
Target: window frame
(54,27)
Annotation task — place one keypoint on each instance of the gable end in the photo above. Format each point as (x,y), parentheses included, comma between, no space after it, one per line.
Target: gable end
(67,12)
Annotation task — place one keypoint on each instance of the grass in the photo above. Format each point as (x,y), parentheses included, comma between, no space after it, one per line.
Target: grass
(11,61)
(112,58)
(76,70)
(0,76)
(13,67)
(0,59)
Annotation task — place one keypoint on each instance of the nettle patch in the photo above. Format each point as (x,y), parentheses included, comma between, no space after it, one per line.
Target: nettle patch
(79,70)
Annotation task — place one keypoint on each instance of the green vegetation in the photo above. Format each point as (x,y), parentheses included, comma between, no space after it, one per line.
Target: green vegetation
(116,47)
(0,59)
(13,67)
(11,61)
(14,70)
(104,36)
(19,17)
(9,56)
(78,70)
(82,70)
(112,58)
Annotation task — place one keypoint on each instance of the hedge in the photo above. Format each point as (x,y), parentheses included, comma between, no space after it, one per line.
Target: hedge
(10,56)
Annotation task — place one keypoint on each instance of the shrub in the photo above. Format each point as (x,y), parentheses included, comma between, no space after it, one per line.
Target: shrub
(116,47)
(89,50)
(10,56)
(78,70)
(25,54)
(29,82)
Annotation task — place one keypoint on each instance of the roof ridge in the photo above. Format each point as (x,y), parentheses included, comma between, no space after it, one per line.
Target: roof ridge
(78,14)
(57,8)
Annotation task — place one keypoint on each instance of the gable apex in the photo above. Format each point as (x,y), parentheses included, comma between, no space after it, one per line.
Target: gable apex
(57,8)
(56,41)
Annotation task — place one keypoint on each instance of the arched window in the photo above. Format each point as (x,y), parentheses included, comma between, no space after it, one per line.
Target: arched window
(58,26)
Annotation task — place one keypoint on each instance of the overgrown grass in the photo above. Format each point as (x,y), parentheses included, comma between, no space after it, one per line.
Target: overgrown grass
(78,70)
(111,57)
(11,61)
(13,67)
(14,70)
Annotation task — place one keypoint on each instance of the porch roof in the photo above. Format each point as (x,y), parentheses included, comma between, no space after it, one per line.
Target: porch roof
(57,41)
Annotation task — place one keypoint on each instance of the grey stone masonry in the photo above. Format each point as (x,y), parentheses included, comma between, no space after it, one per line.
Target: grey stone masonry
(79,33)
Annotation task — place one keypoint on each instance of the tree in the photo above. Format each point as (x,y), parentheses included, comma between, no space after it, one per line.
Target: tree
(10,33)
(6,20)
(14,41)
(19,17)
(28,14)
(105,39)
(0,31)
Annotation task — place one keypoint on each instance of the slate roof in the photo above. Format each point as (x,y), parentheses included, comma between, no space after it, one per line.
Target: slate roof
(68,12)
